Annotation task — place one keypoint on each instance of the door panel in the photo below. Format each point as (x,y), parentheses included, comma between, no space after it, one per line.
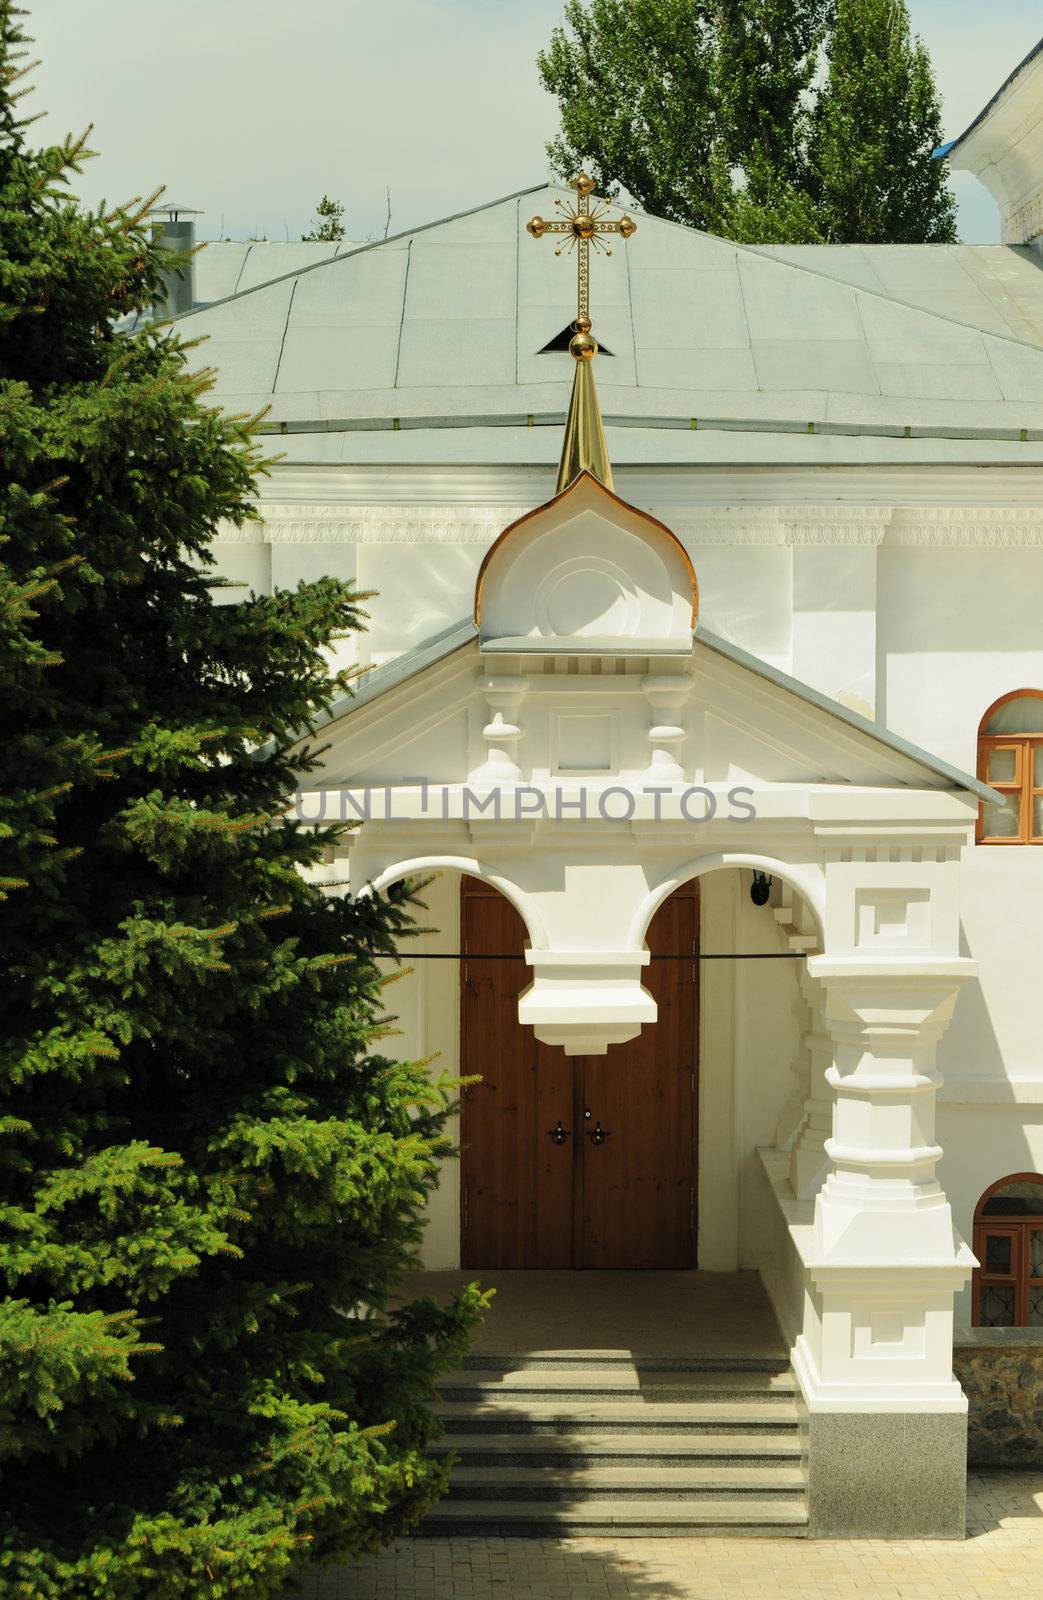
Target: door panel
(638,1187)
(517,1183)
(530,1202)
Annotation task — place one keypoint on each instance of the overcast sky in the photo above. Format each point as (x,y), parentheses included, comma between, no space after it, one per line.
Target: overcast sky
(252,109)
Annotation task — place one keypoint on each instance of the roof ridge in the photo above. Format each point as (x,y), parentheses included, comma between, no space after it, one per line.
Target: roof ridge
(880,294)
(758,251)
(361,249)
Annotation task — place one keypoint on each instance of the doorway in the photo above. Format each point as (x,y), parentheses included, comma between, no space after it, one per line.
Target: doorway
(577,1161)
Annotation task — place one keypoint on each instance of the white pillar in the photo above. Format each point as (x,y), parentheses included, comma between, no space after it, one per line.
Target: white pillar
(887,1419)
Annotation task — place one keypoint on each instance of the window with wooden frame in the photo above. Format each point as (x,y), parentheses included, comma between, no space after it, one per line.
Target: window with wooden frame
(1008,1242)
(1010,760)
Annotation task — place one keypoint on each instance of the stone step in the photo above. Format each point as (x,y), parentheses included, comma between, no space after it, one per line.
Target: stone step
(746,1516)
(525,1485)
(608,1382)
(503,1413)
(530,1361)
(777,1446)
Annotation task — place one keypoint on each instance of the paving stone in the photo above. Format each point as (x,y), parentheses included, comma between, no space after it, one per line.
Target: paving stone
(1001,1557)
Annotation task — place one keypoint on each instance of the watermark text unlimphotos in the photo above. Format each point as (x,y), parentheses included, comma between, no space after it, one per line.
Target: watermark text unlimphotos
(520,802)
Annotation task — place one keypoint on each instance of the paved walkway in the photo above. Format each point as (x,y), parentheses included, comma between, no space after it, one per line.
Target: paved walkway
(1002,1556)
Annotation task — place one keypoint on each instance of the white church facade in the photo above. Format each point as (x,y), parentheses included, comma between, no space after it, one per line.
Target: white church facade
(724,758)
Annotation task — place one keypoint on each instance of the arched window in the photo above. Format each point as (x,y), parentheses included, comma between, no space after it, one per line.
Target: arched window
(1008,1242)
(1010,760)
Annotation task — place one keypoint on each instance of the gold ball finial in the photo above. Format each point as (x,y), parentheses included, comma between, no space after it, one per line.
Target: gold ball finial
(537,227)
(584,346)
(582,325)
(627,227)
(583,185)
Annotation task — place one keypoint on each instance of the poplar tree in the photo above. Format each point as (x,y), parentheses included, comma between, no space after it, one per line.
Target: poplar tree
(877,121)
(714,113)
(210,1175)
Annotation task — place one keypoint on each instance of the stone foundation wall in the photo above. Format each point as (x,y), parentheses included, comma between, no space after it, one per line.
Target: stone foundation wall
(1001,1372)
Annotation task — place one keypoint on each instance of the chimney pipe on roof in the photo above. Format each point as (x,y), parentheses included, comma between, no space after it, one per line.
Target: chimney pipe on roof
(174,229)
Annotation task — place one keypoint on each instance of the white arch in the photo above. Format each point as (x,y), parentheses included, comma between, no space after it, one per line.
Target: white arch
(807,884)
(417,865)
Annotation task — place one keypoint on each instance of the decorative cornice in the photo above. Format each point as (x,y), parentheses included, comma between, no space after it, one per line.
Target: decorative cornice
(726,525)
(781,525)
(1024,224)
(866,526)
(967,526)
(374,524)
(347,491)
(852,525)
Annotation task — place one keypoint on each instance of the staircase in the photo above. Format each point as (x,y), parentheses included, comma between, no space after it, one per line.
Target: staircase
(592,1443)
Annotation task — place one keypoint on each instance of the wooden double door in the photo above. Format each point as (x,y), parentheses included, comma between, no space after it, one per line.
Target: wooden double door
(577,1161)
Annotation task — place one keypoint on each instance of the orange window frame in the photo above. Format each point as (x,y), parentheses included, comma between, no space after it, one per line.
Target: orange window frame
(1023,786)
(1019,1230)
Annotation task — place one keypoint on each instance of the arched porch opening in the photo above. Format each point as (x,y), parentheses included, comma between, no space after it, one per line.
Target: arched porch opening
(746,1063)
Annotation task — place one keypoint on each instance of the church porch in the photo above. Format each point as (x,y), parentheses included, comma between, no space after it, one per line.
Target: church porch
(634,1403)
(549,752)
(698,1315)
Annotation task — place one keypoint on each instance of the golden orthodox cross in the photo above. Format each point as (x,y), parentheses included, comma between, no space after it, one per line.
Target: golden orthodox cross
(583,227)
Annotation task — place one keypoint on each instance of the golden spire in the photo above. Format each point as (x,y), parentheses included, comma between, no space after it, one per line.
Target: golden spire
(584,448)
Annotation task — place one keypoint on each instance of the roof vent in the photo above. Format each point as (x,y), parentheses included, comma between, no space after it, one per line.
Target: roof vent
(174,229)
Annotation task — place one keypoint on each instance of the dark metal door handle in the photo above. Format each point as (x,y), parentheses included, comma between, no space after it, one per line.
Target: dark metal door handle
(599,1135)
(559,1134)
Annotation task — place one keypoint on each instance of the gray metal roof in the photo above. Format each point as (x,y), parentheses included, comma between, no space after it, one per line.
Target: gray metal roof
(224,267)
(411,663)
(997,288)
(447,323)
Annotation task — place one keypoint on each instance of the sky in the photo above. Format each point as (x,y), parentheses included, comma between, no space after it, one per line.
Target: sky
(250,110)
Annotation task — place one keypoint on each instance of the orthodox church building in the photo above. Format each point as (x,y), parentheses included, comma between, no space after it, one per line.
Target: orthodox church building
(704,681)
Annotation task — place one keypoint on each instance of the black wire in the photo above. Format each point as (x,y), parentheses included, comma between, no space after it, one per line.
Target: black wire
(726,955)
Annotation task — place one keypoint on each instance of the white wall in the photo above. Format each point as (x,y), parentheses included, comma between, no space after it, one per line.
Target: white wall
(770,1023)
(995,1032)
(745,594)
(956,628)
(426,1004)
(983,1143)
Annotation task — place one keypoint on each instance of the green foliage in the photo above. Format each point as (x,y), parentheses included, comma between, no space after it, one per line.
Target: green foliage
(876,122)
(329,221)
(209,1179)
(714,113)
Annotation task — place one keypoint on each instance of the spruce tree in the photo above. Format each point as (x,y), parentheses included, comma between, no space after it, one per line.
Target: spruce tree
(877,122)
(209,1176)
